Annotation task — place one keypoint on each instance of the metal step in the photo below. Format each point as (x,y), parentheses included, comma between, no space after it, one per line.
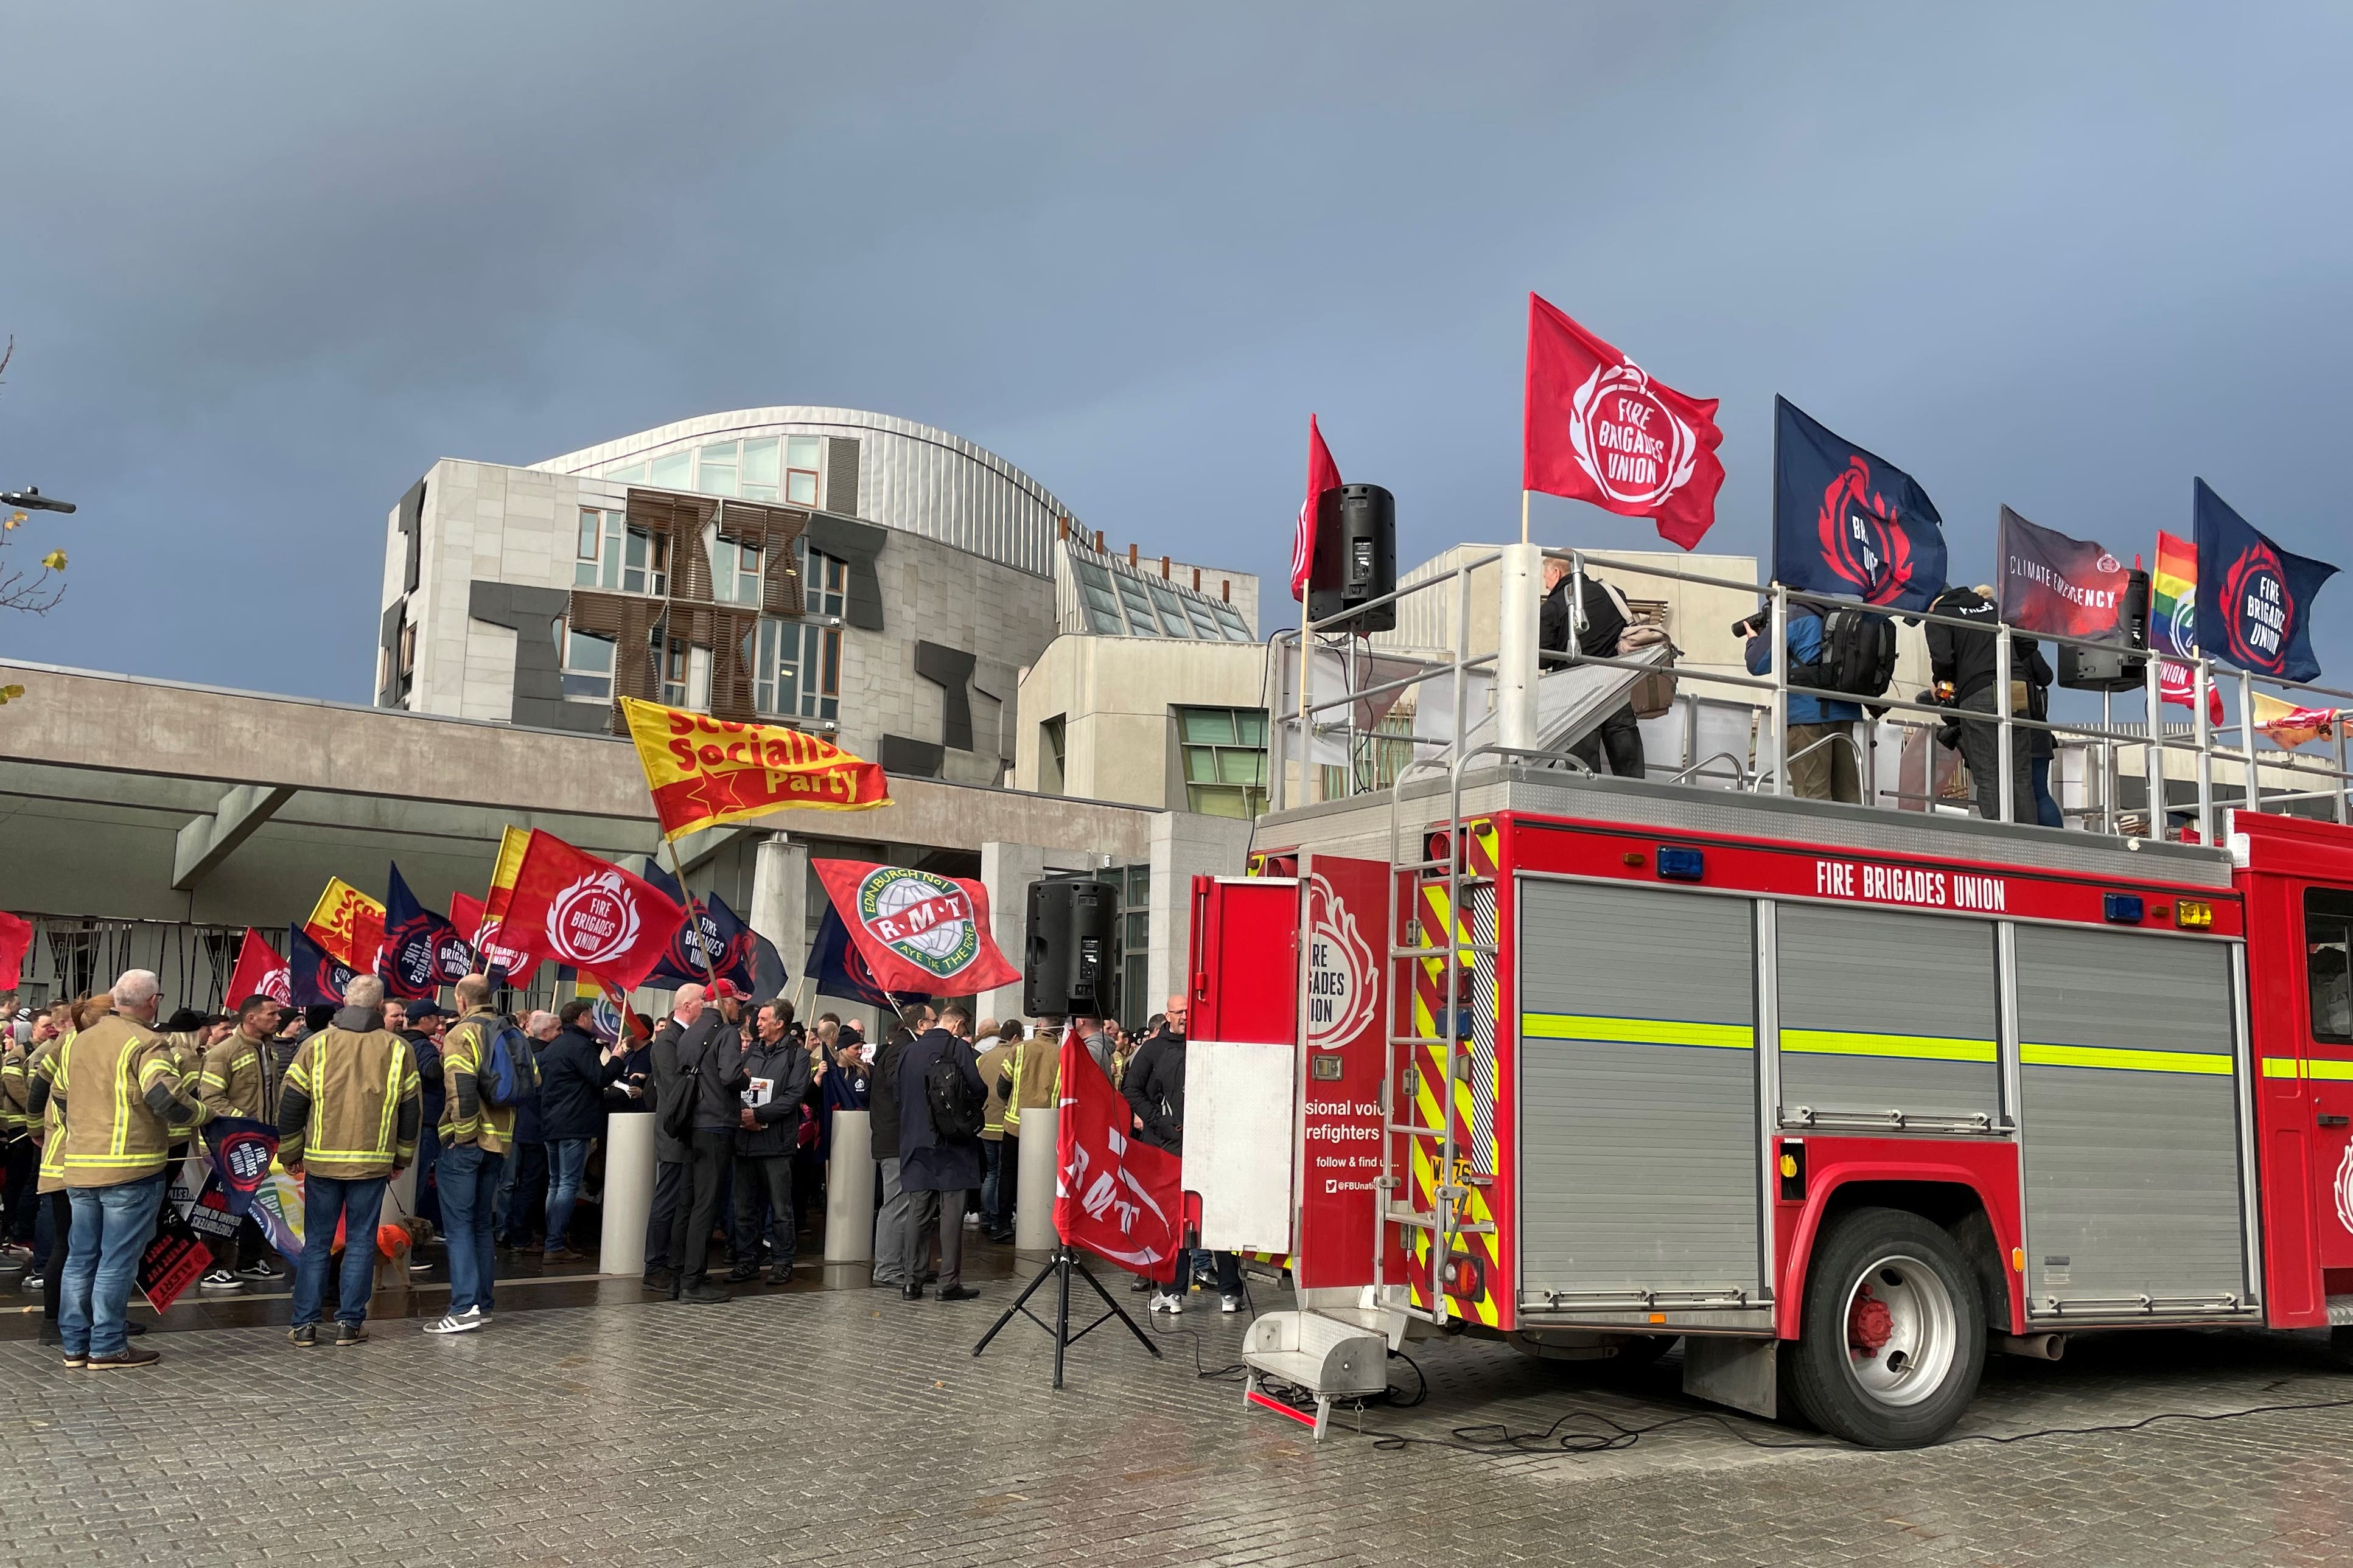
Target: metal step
(1319,1352)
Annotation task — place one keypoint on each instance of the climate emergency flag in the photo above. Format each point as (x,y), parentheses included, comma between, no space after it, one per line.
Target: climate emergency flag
(1115,1196)
(259,973)
(347,923)
(917,930)
(2046,582)
(1599,429)
(2254,599)
(702,772)
(1322,478)
(1848,522)
(570,906)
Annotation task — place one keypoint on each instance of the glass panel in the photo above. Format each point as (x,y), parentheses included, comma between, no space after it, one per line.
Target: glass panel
(800,488)
(759,492)
(1094,576)
(832,663)
(1139,932)
(1213,800)
(1205,624)
(1231,619)
(583,652)
(1106,621)
(584,573)
(1139,885)
(669,470)
(1172,614)
(2329,962)
(587,685)
(1239,766)
(760,462)
(1201,765)
(629,473)
(1207,726)
(613,549)
(715,475)
(801,452)
(591,523)
(1249,726)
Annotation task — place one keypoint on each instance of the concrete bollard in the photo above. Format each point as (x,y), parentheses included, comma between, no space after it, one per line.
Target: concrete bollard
(628,1191)
(1033,1219)
(850,1190)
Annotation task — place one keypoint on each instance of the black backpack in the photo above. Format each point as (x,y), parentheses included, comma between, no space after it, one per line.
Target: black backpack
(957,1114)
(1858,654)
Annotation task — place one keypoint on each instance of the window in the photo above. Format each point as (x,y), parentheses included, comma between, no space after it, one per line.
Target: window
(714,474)
(1139,608)
(1052,737)
(620,559)
(627,473)
(735,573)
(669,469)
(800,469)
(759,469)
(1172,614)
(797,665)
(587,663)
(1230,620)
(1225,760)
(1095,594)
(408,656)
(674,674)
(1136,1001)
(2329,963)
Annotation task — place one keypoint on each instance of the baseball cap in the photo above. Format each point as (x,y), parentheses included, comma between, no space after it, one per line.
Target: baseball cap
(725,991)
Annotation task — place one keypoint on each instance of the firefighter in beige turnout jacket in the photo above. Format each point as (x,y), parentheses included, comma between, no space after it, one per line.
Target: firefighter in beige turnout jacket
(347,1120)
(122,1101)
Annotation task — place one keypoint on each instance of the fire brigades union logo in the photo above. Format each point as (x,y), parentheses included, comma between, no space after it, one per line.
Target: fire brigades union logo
(1630,443)
(924,918)
(2344,1189)
(1863,538)
(244,1160)
(496,954)
(279,986)
(2256,609)
(1339,971)
(593,921)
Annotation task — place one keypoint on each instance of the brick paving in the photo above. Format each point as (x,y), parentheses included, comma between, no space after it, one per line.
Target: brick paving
(846,1426)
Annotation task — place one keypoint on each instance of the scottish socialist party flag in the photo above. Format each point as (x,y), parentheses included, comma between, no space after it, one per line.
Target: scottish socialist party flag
(720,934)
(1849,523)
(2254,599)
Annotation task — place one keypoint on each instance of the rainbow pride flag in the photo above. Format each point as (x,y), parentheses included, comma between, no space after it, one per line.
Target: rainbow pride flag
(2173,622)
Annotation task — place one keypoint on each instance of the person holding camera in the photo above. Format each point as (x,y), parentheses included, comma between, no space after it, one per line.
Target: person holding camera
(1821,728)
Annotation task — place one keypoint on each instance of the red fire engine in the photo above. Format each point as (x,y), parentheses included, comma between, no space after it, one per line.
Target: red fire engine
(1842,1098)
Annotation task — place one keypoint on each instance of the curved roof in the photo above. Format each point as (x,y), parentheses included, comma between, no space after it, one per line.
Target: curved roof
(912,477)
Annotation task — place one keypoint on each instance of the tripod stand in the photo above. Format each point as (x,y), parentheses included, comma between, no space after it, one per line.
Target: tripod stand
(1065,1262)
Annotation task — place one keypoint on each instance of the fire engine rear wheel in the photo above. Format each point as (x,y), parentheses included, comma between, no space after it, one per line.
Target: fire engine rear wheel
(1893,1338)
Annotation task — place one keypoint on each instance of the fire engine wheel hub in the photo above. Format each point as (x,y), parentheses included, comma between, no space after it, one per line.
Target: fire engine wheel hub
(1902,1333)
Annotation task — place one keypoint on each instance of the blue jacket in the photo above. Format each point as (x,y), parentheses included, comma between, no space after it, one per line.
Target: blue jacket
(1805,648)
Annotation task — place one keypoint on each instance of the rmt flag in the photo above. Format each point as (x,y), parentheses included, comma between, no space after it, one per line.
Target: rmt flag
(1118,1198)
(1599,429)
(2254,599)
(1848,523)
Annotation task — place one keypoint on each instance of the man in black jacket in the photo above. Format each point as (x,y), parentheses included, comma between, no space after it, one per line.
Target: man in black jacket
(1598,627)
(681,1042)
(1962,660)
(706,1060)
(574,1069)
(1154,1087)
(779,1069)
(882,1108)
(938,1169)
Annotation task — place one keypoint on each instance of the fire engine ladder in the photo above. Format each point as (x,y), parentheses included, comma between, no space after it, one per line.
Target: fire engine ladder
(1454,951)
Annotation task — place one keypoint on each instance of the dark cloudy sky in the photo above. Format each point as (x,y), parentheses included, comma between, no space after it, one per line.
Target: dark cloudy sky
(265,263)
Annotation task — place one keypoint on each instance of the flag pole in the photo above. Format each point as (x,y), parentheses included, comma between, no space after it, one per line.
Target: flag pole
(710,974)
(1523,516)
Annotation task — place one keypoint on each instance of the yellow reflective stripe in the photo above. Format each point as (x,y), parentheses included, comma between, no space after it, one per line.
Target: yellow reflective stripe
(2325,1071)
(1915,1047)
(111,1161)
(2199,1062)
(121,1138)
(1635,1031)
(391,1100)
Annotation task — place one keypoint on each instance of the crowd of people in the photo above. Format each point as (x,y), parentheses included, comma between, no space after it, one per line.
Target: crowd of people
(504,1117)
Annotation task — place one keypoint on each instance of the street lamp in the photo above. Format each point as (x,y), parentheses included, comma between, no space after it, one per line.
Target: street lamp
(30,499)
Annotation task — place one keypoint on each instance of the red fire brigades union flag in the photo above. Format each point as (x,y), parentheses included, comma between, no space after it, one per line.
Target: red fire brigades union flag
(1600,429)
(259,973)
(1118,1198)
(1322,478)
(589,913)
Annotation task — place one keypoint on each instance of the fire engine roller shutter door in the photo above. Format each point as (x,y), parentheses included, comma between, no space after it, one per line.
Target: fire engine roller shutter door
(2129,1130)
(1882,1010)
(1638,1089)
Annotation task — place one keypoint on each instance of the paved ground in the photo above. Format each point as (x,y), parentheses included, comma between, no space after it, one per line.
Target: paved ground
(837,1426)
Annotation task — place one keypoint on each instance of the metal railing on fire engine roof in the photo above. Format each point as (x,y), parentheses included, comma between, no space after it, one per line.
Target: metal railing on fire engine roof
(1300,731)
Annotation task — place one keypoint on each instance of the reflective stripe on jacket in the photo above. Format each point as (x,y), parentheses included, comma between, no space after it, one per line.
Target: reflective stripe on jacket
(464,1118)
(353,1103)
(123,1102)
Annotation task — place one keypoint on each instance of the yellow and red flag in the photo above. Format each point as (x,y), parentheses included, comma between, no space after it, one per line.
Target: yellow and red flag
(484,924)
(2290,726)
(702,772)
(348,925)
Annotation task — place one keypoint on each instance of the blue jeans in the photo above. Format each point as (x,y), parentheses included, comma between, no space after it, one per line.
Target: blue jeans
(470,1182)
(110,1229)
(992,1165)
(358,1202)
(566,1159)
(2046,809)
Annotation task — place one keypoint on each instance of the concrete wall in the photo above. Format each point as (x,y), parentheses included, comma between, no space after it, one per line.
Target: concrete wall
(1113,695)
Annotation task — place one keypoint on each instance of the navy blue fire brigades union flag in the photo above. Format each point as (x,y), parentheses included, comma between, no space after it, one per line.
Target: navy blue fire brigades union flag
(2254,599)
(840,970)
(1849,523)
(710,928)
(316,976)
(422,951)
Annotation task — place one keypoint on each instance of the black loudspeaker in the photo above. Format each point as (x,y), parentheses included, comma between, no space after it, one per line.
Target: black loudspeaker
(1071,964)
(2114,668)
(1356,557)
